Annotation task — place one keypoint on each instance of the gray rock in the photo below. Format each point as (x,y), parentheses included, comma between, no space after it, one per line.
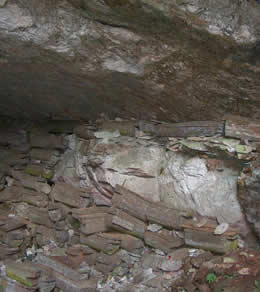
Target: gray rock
(188,184)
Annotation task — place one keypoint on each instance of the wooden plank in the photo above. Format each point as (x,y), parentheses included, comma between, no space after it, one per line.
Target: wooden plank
(207,241)
(93,223)
(209,227)
(242,128)
(162,215)
(187,129)
(121,221)
(161,241)
(131,203)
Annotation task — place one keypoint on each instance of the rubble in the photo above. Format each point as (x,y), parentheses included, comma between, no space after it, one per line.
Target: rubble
(100,235)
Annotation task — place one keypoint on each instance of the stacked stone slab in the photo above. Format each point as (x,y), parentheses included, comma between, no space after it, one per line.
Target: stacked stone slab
(97,228)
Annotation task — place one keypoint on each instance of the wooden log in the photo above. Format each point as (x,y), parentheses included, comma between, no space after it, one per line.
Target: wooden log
(131,203)
(123,222)
(128,242)
(100,243)
(93,223)
(209,227)
(242,128)
(69,195)
(164,242)
(167,217)
(145,210)
(208,241)
(187,129)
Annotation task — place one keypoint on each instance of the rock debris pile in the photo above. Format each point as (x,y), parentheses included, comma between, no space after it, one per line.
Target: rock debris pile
(100,207)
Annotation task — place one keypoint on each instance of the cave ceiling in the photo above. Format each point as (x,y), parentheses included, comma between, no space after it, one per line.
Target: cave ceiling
(169,60)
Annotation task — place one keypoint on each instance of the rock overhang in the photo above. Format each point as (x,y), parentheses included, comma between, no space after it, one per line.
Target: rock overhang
(78,59)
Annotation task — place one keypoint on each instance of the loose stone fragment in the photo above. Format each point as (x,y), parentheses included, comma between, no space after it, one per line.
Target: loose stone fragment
(222,228)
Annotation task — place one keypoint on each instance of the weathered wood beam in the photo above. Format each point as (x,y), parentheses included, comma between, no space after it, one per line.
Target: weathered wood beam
(188,129)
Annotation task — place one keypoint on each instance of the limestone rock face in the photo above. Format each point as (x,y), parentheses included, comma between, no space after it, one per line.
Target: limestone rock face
(182,180)
(75,59)
(188,183)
